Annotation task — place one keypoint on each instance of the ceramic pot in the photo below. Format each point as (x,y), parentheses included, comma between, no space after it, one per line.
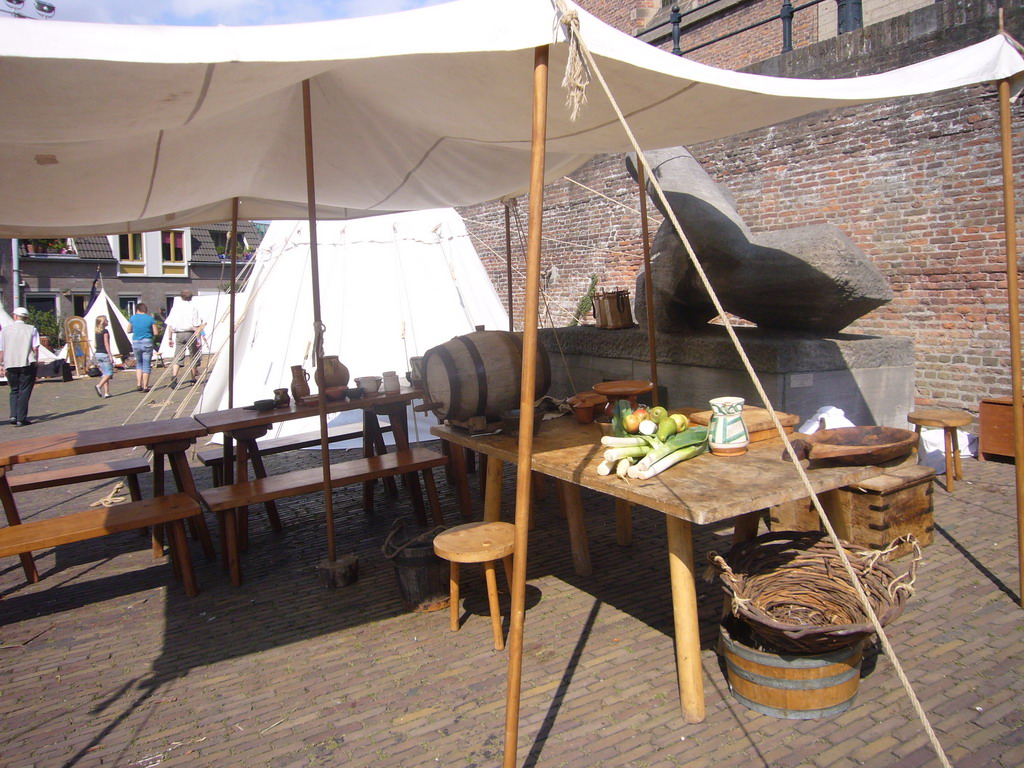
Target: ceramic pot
(300,383)
(415,370)
(331,373)
(727,435)
(369,384)
(392,383)
(281,397)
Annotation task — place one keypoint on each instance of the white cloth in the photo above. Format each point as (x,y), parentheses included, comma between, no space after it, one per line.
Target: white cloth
(932,451)
(184,316)
(19,342)
(834,418)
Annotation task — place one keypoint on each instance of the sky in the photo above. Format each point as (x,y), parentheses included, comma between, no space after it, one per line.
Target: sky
(213,12)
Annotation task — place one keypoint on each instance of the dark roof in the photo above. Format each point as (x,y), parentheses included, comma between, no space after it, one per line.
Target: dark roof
(93,248)
(204,250)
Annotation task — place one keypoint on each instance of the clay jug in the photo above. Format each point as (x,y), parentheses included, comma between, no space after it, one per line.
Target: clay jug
(727,434)
(300,383)
(331,373)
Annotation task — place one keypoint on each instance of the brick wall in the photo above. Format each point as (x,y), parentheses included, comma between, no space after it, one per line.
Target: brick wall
(630,16)
(916,183)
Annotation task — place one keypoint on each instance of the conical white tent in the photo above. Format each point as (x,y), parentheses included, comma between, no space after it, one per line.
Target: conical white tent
(120,328)
(392,288)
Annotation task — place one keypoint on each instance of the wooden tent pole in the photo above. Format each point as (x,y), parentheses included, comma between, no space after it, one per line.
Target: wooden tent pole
(648,281)
(318,345)
(526,399)
(231,303)
(1013,297)
(508,264)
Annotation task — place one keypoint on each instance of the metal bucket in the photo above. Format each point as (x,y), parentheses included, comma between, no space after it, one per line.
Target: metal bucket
(422,576)
(792,686)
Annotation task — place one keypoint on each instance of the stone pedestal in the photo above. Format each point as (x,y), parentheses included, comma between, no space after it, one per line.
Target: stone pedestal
(870,377)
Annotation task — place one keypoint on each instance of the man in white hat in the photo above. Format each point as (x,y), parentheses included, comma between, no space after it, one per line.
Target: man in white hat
(19,350)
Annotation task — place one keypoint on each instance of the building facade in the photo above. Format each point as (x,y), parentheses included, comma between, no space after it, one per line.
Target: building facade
(915,182)
(58,275)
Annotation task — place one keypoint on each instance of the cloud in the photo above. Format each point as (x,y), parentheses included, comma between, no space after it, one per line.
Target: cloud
(227,12)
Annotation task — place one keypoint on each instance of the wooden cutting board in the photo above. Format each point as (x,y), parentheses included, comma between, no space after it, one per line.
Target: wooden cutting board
(757,420)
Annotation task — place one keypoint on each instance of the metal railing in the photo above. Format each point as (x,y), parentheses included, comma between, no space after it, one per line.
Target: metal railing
(850,17)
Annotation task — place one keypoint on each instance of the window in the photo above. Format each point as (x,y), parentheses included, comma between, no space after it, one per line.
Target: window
(130,247)
(127,304)
(220,242)
(41,303)
(172,247)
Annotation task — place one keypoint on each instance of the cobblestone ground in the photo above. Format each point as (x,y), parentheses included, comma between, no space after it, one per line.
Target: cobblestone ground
(106,662)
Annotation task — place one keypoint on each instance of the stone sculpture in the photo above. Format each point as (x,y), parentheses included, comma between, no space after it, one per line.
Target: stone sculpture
(811,278)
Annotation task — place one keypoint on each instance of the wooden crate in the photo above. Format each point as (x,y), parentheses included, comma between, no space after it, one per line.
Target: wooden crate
(877,511)
(797,515)
(995,427)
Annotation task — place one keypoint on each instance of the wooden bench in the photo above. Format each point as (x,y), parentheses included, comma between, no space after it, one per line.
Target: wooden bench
(225,499)
(92,523)
(129,469)
(212,455)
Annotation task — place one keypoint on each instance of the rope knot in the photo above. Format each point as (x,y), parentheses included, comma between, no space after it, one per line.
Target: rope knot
(577,73)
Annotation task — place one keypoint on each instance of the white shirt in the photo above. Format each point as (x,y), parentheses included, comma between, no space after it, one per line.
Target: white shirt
(184,316)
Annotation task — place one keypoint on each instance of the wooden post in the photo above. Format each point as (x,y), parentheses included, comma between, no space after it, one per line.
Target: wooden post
(528,382)
(1013,298)
(648,281)
(318,346)
(508,263)
(684,604)
(231,303)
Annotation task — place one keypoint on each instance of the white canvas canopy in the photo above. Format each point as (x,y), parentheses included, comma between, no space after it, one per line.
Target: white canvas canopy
(109,128)
(395,286)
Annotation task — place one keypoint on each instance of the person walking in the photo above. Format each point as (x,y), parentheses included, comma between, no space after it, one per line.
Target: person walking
(142,344)
(19,351)
(102,354)
(184,323)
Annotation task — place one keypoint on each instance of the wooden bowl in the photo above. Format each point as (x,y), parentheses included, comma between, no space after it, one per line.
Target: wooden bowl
(856,446)
(335,393)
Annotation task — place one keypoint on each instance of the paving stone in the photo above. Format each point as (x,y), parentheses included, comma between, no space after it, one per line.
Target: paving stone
(106,662)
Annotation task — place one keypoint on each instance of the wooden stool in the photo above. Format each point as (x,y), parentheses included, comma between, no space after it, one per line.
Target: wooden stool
(949,422)
(478,543)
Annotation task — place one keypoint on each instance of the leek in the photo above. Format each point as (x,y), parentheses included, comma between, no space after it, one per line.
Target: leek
(615,454)
(610,441)
(665,462)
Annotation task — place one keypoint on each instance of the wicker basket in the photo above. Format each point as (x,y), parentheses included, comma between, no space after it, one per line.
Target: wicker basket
(792,590)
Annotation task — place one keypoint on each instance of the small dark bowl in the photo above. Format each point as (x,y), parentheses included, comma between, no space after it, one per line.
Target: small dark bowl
(510,421)
(353,393)
(263,405)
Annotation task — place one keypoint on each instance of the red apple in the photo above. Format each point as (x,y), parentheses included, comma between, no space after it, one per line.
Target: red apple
(631,423)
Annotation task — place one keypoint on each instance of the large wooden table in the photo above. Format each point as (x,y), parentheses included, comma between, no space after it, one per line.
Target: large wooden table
(168,438)
(703,490)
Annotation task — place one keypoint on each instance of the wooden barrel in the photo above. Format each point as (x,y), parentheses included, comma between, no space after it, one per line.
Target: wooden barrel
(792,686)
(478,374)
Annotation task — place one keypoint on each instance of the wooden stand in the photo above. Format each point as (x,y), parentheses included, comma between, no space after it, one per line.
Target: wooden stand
(338,573)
